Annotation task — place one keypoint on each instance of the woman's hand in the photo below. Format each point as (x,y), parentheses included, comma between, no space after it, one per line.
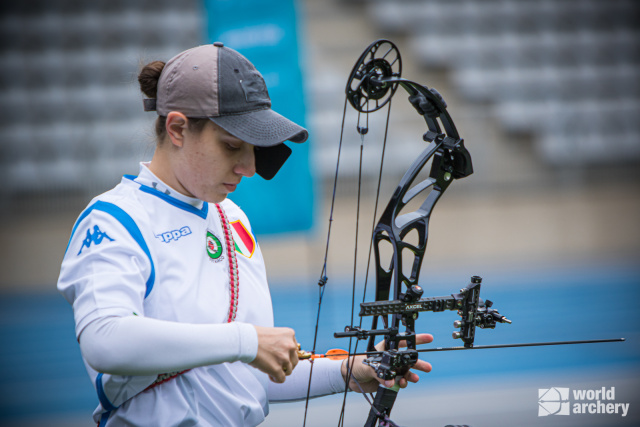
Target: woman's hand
(277,352)
(366,375)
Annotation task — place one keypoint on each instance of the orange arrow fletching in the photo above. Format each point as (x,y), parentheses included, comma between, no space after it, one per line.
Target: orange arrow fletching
(336,354)
(333,354)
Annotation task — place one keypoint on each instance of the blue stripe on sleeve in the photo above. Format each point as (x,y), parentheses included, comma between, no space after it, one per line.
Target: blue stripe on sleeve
(127,223)
(104,418)
(104,400)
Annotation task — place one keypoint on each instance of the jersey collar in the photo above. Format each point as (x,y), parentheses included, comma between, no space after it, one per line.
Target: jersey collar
(151,184)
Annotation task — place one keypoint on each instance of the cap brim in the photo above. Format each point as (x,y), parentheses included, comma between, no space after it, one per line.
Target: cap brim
(262,128)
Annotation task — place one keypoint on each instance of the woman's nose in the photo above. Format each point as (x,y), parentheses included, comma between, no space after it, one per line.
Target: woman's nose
(247,164)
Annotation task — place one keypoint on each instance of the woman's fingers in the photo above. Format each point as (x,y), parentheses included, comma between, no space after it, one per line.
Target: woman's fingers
(422,365)
(420,339)
(277,352)
(423,338)
(293,355)
(368,379)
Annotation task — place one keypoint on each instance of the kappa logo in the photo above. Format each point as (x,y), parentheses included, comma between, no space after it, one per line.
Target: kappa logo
(96,238)
(173,235)
(214,247)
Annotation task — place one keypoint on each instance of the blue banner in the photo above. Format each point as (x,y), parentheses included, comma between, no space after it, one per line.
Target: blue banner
(265,31)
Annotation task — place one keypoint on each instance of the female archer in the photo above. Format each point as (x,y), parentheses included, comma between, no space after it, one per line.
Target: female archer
(175,326)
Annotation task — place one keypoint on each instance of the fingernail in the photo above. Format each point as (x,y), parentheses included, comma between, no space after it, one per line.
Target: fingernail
(388,383)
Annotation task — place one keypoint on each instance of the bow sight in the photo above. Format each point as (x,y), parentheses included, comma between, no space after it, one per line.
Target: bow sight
(473,311)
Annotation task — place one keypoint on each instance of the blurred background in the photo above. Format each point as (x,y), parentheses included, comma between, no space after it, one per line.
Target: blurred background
(546,94)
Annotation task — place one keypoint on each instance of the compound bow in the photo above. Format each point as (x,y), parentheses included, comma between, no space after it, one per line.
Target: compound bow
(398,298)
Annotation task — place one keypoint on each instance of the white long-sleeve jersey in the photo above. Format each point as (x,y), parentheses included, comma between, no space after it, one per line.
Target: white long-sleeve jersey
(147,273)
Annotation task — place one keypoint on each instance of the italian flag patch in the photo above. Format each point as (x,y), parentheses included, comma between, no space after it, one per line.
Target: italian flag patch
(244,241)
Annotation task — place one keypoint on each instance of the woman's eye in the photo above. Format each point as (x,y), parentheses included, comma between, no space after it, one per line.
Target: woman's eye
(231,147)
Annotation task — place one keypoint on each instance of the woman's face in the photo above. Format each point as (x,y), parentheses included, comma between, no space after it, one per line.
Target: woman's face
(210,164)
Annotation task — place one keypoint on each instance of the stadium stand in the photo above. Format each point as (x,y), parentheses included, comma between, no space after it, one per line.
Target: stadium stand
(565,71)
(71,115)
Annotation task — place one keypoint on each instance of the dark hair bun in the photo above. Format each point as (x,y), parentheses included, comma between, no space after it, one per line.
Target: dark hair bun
(148,78)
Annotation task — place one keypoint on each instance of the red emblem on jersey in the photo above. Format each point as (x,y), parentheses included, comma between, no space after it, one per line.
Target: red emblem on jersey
(244,241)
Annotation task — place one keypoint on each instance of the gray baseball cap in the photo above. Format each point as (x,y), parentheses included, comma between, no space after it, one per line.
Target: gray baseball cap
(218,83)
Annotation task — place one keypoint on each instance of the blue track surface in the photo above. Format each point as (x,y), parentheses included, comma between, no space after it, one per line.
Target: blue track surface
(41,372)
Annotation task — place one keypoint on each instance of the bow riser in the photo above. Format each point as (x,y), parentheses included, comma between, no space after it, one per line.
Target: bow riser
(393,228)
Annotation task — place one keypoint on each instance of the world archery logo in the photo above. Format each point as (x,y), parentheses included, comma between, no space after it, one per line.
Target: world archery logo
(553,401)
(214,247)
(556,401)
(96,237)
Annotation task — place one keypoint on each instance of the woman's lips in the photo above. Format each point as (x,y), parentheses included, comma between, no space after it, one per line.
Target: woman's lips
(231,187)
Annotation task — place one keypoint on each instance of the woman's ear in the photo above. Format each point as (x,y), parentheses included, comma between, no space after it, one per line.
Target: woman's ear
(176,126)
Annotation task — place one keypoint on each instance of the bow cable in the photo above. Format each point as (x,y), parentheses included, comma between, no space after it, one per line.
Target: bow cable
(366,275)
(363,131)
(323,274)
